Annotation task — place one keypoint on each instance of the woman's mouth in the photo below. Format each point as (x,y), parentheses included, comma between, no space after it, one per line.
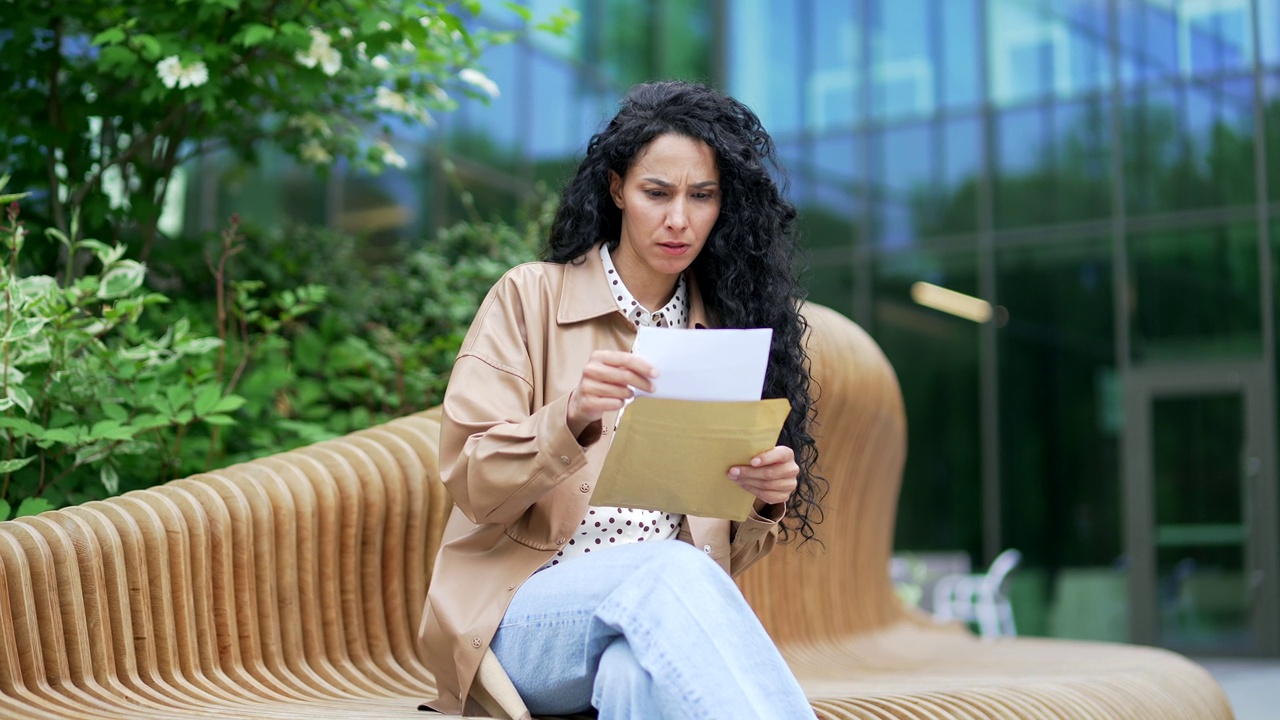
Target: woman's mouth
(674,248)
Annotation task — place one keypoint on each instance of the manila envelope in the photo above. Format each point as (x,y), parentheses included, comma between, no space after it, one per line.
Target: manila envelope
(675,455)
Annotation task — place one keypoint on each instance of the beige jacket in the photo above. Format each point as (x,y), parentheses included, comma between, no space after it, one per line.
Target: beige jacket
(520,480)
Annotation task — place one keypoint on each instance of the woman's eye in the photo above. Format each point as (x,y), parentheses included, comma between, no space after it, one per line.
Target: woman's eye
(657,193)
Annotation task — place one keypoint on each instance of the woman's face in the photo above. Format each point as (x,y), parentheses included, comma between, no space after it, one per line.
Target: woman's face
(670,200)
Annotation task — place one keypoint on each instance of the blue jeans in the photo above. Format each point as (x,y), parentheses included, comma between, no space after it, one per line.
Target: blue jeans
(644,630)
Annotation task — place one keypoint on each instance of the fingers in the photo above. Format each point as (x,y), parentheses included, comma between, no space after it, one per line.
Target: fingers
(771,476)
(606,385)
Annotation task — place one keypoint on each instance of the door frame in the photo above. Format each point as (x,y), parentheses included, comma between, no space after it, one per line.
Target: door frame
(1142,385)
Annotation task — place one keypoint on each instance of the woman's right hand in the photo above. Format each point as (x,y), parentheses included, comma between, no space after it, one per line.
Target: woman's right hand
(606,385)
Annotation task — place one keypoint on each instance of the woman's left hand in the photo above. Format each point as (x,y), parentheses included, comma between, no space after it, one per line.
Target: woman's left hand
(771,476)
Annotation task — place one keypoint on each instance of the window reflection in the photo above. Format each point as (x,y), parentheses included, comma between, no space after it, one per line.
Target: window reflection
(1040,48)
(1269,27)
(763,61)
(1165,38)
(1195,293)
(1190,146)
(904,32)
(833,91)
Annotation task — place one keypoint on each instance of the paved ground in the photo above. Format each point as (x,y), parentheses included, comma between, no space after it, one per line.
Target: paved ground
(1252,685)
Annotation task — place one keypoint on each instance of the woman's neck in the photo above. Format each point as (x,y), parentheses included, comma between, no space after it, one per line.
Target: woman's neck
(652,290)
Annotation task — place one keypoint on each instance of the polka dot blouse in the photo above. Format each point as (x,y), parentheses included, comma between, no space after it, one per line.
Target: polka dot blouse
(608,527)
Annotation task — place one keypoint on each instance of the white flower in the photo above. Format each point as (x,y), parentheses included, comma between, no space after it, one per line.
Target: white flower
(321,53)
(406,46)
(380,63)
(384,26)
(390,100)
(170,71)
(393,158)
(313,152)
(479,80)
(425,21)
(194,75)
(361,51)
(175,75)
(312,124)
(439,94)
(345,33)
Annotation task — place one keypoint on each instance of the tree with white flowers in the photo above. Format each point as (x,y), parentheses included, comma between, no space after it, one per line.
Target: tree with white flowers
(103,100)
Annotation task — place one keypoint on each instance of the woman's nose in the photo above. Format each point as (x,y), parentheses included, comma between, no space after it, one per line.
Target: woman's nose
(676,217)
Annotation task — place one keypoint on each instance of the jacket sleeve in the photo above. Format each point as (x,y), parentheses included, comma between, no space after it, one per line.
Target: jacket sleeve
(754,537)
(500,452)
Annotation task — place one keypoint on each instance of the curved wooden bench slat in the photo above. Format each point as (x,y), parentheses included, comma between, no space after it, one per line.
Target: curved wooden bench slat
(293,586)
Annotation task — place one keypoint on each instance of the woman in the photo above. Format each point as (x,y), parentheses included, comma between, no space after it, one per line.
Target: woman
(672,220)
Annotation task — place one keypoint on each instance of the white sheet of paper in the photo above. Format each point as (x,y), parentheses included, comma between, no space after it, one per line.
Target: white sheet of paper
(707,365)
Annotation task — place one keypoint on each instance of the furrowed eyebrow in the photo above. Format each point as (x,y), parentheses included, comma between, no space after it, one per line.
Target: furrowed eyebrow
(663,183)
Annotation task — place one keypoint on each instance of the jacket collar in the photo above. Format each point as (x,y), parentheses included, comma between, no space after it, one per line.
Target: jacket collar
(585,294)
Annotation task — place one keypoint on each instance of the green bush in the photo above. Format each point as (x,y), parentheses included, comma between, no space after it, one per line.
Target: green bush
(92,400)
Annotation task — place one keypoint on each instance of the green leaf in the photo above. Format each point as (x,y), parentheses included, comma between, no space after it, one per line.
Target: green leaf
(148,46)
(198,346)
(525,13)
(219,419)
(4,510)
(24,327)
(115,411)
(22,427)
(21,398)
(254,34)
(110,430)
(64,435)
(206,398)
(122,279)
(119,57)
(33,506)
(109,37)
(179,396)
(230,403)
(8,466)
(110,478)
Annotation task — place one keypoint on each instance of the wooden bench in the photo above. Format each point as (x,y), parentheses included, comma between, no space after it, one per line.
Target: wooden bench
(292,586)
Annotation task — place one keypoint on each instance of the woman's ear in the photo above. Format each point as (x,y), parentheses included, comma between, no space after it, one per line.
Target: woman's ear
(615,189)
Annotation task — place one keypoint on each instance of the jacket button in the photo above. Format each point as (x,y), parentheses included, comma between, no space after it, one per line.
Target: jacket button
(510,588)
(604,429)
(564,459)
(475,642)
(585,487)
(560,541)
(706,549)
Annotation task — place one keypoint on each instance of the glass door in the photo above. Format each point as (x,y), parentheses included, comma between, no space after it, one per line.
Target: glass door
(1201,515)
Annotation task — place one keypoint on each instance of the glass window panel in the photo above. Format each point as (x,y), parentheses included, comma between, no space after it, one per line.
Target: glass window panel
(829,279)
(936,358)
(1190,146)
(961,71)
(1215,37)
(1165,38)
(902,66)
(1271,113)
(553,133)
(764,61)
(905,174)
(1024,168)
(1043,48)
(685,38)
(1148,33)
(626,32)
(1269,25)
(957,202)
(1081,179)
(1197,448)
(494,124)
(830,216)
(1195,293)
(833,89)
(1059,406)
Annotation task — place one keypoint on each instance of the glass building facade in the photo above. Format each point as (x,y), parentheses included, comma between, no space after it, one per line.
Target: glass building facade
(1059,218)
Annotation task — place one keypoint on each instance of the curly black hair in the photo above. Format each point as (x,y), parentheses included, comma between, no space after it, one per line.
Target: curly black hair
(746,271)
